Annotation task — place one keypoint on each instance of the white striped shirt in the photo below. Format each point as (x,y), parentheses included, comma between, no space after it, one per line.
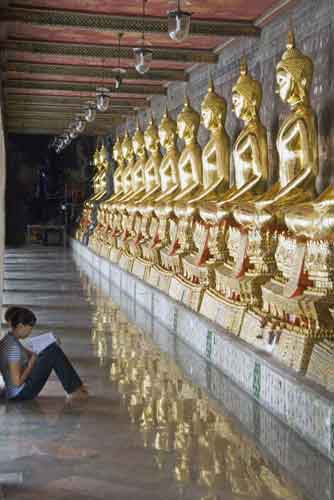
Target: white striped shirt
(11,351)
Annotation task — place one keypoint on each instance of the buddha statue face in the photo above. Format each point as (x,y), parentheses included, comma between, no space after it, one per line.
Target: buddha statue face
(187,123)
(127,150)
(151,137)
(167,132)
(213,109)
(294,75)
(246,95)
(138,143)
(239,105)
(117,151)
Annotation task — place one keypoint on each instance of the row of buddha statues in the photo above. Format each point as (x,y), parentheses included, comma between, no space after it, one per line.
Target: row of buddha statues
(192,442)
(257,259)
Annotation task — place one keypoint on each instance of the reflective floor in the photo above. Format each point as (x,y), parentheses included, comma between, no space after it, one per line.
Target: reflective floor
(147,431)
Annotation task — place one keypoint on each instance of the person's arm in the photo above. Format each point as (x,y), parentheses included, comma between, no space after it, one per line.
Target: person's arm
(19,376)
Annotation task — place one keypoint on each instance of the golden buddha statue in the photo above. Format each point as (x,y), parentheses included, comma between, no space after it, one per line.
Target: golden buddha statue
(95,204)
(86,212)
(190,174)
(145,215)
(106,207)
(137,175)
(297,145)
(168,186)
(216,177)
(250,156)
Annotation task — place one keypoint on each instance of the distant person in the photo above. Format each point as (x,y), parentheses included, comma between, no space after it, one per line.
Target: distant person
(25,373)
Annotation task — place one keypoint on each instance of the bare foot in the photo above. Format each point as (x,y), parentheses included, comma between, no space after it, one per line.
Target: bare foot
(80,393)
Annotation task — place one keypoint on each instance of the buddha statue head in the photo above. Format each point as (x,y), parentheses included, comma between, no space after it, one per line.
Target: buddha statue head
(127,149)
(167,131)
(103,155)
(188,123)
(151,137)
(246,95)
(96,158)
(213,109)
(138,142)
(294,74)
(117,151)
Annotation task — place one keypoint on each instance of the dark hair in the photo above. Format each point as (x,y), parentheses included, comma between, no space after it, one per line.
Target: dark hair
(23,316)
(10,312)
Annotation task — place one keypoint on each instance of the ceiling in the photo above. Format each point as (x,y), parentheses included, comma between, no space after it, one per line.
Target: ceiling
(55,53)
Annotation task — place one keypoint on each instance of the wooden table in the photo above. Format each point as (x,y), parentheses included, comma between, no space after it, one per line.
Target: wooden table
(44,228)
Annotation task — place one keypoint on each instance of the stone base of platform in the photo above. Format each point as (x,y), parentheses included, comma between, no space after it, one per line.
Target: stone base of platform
(298,401)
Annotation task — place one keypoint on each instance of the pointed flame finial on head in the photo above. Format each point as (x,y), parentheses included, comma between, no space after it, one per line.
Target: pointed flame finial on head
(243,66)
(211,87)
(291,43)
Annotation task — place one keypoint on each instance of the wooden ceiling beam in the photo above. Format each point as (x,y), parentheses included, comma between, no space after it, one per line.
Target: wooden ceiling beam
(83,87)
(95,71)
(130,24)
(108,51)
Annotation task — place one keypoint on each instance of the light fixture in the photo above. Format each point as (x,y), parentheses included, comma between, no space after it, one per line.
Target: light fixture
(90,112)
(119,70)
(178,23)
(143,56)
(102,95)
(102,99)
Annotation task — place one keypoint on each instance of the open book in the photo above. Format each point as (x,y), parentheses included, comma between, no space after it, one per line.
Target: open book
(38,343)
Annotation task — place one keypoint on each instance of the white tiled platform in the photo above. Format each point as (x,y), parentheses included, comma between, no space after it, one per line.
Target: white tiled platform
(301,405)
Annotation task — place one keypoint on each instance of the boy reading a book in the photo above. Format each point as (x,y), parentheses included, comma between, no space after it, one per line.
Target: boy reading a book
(26,373)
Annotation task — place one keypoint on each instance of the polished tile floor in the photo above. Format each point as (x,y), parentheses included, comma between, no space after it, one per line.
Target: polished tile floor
(147,431)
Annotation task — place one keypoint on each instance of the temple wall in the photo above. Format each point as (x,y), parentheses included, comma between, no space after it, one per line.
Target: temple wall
(313,23)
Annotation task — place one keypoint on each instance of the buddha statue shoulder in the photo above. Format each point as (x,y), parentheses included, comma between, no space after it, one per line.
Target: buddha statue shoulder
(104,166)
(129,159)
(250,150)
(297,142)
(118,158)
(152,166)
(169,174)
(216,153)
(137,177)
(190,161)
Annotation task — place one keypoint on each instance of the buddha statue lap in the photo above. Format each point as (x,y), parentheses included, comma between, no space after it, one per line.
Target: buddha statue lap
(190,174)
(198,266)
(250,157)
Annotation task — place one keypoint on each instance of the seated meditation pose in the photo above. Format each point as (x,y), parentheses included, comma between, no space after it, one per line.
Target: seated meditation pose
(25,373)
(152,188)
(162,201)
(216,177)
(297,146)
(190,174)
(250,158)
(106,212)
(136,192)
(86,212)
(120,219)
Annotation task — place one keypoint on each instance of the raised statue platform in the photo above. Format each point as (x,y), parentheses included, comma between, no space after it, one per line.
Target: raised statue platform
(301,404)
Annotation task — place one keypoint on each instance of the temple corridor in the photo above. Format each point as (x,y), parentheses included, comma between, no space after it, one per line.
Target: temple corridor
(147,431)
